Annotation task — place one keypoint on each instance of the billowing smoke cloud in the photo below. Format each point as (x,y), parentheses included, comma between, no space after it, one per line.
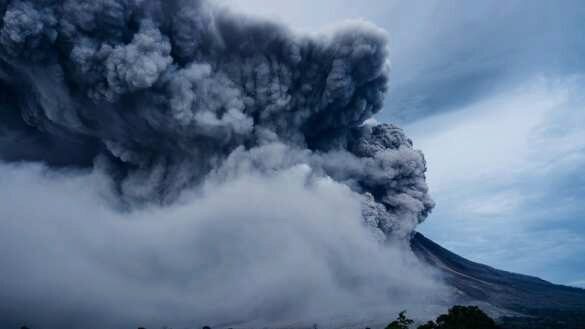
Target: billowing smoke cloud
(162,92)
(279,250)
(165,100)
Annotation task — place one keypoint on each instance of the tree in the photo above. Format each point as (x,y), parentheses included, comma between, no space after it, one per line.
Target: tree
(401,322)
(462,317)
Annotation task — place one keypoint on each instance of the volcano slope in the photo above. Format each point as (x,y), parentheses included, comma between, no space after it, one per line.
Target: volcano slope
(519,301)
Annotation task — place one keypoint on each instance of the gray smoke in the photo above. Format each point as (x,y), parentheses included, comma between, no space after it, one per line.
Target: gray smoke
(162,92)
(165,98)
(285,250)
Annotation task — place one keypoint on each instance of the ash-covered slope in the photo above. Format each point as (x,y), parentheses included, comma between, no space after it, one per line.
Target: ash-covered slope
(509,292)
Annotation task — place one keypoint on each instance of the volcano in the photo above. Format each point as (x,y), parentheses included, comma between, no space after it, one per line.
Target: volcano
(519,301)
(176,163)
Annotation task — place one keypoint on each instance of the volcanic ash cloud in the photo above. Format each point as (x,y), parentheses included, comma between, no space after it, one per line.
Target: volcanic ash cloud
(187,151)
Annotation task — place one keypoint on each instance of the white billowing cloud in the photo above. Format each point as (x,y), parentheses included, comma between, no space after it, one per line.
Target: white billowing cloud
(257,250)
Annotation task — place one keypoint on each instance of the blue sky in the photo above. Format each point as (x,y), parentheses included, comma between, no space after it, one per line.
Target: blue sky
(494,94)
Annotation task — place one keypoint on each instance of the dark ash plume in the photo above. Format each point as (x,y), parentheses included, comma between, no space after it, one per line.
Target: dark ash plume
(161,94)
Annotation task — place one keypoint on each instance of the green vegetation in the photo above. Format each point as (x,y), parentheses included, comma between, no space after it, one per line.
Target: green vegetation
(458,317)
(402,322)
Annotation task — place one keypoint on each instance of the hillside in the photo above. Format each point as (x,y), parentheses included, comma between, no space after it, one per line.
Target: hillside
(520,301)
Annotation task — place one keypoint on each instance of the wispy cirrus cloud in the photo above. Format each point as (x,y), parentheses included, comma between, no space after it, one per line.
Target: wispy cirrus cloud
(505,173)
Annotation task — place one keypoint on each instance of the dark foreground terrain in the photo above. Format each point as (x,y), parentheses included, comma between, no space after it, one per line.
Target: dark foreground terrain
(520,301)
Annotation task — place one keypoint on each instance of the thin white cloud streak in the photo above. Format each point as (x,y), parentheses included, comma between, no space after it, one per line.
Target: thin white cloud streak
(499,171)
(493,139)
(580,283)
(255,251)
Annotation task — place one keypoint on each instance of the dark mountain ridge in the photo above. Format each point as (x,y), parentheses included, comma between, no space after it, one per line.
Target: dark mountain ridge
(513,297)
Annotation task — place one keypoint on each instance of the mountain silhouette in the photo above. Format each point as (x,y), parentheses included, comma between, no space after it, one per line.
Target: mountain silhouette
(510,296)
